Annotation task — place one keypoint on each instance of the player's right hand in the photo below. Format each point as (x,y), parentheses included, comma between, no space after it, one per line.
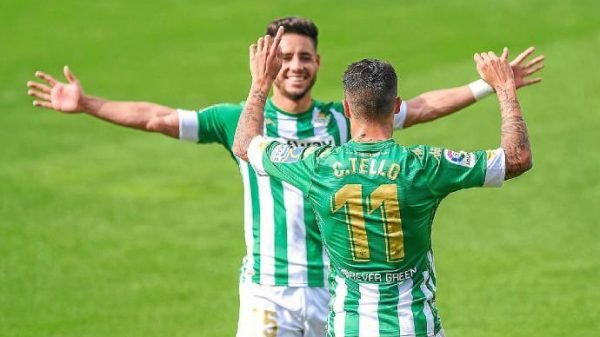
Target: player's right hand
(64,97)
(494,70)
(265,59)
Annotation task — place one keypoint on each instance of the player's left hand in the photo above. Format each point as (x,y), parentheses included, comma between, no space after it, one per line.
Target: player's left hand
(265,59)
(522,72)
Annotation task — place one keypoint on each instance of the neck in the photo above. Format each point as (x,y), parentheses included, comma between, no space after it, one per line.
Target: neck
(369,131)
(289,105)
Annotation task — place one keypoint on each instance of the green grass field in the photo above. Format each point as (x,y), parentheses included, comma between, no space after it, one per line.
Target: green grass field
(112,232)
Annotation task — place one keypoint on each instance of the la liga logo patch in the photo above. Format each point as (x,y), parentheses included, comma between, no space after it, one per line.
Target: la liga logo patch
(461,158)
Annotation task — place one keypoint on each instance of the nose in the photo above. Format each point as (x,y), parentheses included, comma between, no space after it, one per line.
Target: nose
(295,64)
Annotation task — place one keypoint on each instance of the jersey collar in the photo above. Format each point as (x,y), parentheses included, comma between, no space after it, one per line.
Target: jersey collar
(271,108)
(371,146)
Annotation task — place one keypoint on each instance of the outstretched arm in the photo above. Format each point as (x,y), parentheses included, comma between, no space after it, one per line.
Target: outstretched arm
(439,103)
(265,63)
(70,98)
(514,137)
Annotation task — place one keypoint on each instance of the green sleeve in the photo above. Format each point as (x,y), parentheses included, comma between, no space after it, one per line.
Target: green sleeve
(446,171)
(217,123)
(294,165)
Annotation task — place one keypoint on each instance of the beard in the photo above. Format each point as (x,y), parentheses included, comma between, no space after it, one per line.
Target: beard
(295,96)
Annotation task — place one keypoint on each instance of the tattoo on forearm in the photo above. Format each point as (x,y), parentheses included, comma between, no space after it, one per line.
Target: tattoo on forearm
(515,138)
(251,121)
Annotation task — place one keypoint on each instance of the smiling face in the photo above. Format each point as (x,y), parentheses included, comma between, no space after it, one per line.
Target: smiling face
(300,66)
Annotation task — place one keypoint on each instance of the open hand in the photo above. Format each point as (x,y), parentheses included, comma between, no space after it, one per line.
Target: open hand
(522,72)
(64,97)
(493,69)
(265,59)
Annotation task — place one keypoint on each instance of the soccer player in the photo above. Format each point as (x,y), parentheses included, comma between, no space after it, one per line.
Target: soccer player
(375,200)
(285,265)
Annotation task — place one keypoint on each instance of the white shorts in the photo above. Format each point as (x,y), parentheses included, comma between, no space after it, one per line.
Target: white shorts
(276,311)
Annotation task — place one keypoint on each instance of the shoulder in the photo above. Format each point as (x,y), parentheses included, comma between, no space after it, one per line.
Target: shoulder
(424,155)
(225,108)
(329,107)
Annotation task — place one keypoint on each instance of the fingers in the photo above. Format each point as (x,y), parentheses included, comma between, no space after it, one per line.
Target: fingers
(531,81)
(523,56)
(69,75)
(43,76)
(535,69)
(485,57)
(38,86)
(535,61)
(260,44)
(43,104)
(477,57)
(504,56)
(277,40)
(39,94)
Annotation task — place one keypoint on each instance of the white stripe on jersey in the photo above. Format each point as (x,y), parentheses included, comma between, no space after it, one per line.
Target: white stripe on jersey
(287,127)
(296,233)
(368,303)
(496,166)
(188,125)
(255,155)
(326,266)
(340,119)
(405,314)
(426,305)
(267,230)
(248,237)
(319,127)
(432,264)
(341,291)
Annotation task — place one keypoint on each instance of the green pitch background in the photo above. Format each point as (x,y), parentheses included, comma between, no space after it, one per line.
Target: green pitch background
(112,232)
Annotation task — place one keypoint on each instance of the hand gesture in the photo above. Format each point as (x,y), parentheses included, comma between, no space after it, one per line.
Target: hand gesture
(64,97)
(494,70)
(265,59)
(521,71)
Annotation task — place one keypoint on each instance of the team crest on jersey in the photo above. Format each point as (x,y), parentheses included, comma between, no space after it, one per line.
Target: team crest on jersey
(417,152)
(322,118)
(286,154)
(461,158)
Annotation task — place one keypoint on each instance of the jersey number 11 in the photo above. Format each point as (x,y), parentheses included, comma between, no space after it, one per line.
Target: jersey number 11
(350,198)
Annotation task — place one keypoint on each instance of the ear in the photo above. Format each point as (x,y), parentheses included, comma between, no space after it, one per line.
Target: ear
(318,61)
(346,108)
(397,103)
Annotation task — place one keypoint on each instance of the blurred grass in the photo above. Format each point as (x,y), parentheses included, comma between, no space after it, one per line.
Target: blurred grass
(107,231)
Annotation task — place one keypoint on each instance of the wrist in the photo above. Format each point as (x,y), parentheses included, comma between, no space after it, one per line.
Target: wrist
(480,89)
(506,87)
(263,85)
(89,104)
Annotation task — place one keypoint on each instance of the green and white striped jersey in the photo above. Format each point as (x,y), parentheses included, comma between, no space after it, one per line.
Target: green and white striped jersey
(375,204)
(283,245)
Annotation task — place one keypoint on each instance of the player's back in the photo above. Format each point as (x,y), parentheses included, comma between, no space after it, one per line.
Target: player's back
(379,209)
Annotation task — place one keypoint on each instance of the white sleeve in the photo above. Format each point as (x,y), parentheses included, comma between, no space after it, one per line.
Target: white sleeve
(496,167)
(255,153)
(400,117)
(188,125)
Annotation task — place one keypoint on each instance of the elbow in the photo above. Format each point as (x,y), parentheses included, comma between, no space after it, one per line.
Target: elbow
(240,151)
(517,165)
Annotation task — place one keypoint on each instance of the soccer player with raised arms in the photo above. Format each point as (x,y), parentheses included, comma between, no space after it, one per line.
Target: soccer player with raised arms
(374,199)
(285,264)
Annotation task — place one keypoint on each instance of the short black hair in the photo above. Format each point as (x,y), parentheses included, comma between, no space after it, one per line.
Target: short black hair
(371,87)
(295,25)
